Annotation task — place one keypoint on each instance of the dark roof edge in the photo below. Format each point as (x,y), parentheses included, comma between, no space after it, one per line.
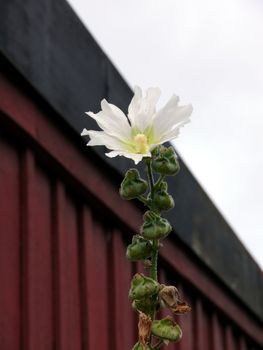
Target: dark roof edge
(47,43)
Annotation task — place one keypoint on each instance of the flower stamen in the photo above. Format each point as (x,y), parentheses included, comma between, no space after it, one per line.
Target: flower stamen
(141,144)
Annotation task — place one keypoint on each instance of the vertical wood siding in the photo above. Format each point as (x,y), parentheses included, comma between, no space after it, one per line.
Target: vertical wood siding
(63,272)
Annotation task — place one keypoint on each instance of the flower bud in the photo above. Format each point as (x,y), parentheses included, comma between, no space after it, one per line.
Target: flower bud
(144,305)
(142,287)
(132,185)
(139,249)
(162,201)
(155,227)
(166,329)
(165,161)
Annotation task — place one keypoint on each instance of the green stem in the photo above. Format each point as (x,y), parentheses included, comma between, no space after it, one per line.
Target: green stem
(153,272)
(154,260)
(154,257)
(159,181)
(150,176)
(143,200)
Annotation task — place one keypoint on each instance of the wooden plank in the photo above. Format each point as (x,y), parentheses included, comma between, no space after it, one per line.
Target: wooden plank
(9,248)
(37,265)
(217,334)
(186,322)
(120,278)
(230,341)
(67,273)
(242,343)
(98,316)
(86,227)
(200,325)
(162,279)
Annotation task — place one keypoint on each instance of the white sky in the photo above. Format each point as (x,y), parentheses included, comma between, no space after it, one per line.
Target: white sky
(210,53)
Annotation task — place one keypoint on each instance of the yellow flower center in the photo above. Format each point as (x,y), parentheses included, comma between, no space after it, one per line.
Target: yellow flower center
(141,143)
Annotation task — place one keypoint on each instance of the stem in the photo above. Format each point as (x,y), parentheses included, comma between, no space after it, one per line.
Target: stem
(153,271)
(159,181)
(143,200)
(154,257)
(150,176)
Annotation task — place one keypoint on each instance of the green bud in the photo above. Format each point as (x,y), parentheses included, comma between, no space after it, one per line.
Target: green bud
(162,201)
(154,226)
(165,161)
(163,186)
(166,329)
(138,346)
(139,249)
(132,185)
(142,287)
(144,305)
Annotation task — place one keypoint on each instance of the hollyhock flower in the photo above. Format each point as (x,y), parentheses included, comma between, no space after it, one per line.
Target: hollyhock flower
(145,128)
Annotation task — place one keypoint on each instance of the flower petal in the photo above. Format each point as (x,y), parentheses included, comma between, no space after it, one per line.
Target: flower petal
(172,134)
(112,120)
(142,109)
(170,116)
(136,157)
(84,132)
(100,138)
(134,106)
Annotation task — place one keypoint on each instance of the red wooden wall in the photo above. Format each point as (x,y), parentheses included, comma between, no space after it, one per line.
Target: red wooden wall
(63,236)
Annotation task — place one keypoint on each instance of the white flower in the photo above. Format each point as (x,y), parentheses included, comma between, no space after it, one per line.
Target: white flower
(134,137)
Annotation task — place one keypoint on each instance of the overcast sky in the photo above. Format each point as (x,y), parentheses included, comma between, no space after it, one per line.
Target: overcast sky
(210,53)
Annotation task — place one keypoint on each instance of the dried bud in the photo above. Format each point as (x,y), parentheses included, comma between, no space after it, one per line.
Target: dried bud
(144,327)
(165,161)
(166,329)
(132,185)
(162,201)
(139,249)
(170,296)
(155,227)
(181,308)
(142,287)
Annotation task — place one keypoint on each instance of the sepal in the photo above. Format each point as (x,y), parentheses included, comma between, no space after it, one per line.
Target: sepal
(165,161)
(139,249)
(166,329)
(142,287)
(132,185)
(144,305)
(162,201)
(154,226)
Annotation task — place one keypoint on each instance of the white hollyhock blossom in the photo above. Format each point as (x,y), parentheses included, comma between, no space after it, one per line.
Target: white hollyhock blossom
(134,137)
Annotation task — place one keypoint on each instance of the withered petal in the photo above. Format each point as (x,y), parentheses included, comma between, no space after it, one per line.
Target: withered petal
(144,327)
